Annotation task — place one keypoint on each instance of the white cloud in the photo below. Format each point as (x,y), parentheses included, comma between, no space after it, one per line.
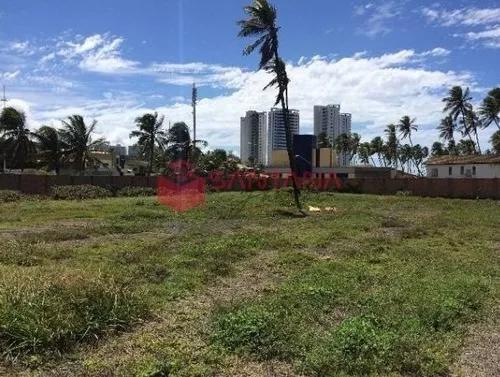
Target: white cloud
(469,18)
(203,74)
(437,52)
(9,75)
(489,37)
(463,16)
(376,90)
(21,48)
(376,23)
(47,58)
(97,53)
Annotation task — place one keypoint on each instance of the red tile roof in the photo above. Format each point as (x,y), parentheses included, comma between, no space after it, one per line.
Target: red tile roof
(461,160)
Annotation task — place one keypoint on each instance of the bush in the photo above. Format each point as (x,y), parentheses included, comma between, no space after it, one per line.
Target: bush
(136,191)
(79,192)
(40,314)
(404,193)
(7,196)
(357,346)
(255,330)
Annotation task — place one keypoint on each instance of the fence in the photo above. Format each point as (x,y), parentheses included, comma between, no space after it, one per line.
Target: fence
(431,187)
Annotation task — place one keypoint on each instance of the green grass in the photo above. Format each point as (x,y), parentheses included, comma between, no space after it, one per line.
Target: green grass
(123,286)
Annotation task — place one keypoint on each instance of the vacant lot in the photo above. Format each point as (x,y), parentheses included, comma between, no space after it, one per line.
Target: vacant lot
(382,285)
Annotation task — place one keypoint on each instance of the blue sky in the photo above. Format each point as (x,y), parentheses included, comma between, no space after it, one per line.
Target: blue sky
(114,60)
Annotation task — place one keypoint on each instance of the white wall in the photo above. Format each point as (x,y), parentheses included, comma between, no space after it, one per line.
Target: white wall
(482,171)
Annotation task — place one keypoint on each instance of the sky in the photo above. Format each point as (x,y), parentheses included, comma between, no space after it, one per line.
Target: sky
(114,60)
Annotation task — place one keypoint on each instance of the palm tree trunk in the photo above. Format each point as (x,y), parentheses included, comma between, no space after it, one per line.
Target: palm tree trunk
(150,163)
(289,147)
(413,158)
(288,136)
(467,131)
(477,139)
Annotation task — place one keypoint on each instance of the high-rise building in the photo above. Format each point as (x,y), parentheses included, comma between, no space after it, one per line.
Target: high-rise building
(119,150)
(330,121)
(276,136)
(253,138)
(134,151)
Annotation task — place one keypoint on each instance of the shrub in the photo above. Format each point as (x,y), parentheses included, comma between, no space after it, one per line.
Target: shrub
(136,191)
(7,196)
(357,346)
(404,193)
(40,314)
(255,330)
(79,192)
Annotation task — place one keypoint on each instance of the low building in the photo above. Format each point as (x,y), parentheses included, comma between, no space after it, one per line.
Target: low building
(486,166)
(307,155)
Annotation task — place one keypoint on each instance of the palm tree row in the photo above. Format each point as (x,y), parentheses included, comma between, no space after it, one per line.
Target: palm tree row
(462,118)
(379,152)
(74,146)
(50,147)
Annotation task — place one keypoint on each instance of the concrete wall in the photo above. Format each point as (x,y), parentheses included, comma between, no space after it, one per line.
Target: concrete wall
(431,187)
(41,184)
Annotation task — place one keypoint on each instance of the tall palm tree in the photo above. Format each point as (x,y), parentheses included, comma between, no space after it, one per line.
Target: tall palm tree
(343,144)
(365,153)
(377,146)
(17,138)
(180,145)
(354,141)
(51,147)
(473,124)
(406,127)
(419,154)
(447,129)
(324,141)
(262,24)
(77,136)
(495,142)
(438,149)
(490,108)
(3,155)
(466,147)
(150,135)
(458,104)
(405,155)
(392,145)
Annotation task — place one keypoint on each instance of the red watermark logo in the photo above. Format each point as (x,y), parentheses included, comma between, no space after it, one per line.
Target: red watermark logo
(182,189)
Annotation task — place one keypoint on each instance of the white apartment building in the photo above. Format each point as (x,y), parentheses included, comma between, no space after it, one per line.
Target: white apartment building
(329,120)
(276,129)
(253,138)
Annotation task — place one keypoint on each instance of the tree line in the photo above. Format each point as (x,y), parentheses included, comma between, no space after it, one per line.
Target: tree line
(74,146)
(460,120)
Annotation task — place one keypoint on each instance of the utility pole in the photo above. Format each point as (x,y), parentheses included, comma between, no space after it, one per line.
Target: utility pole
(4,99)
(194,101)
